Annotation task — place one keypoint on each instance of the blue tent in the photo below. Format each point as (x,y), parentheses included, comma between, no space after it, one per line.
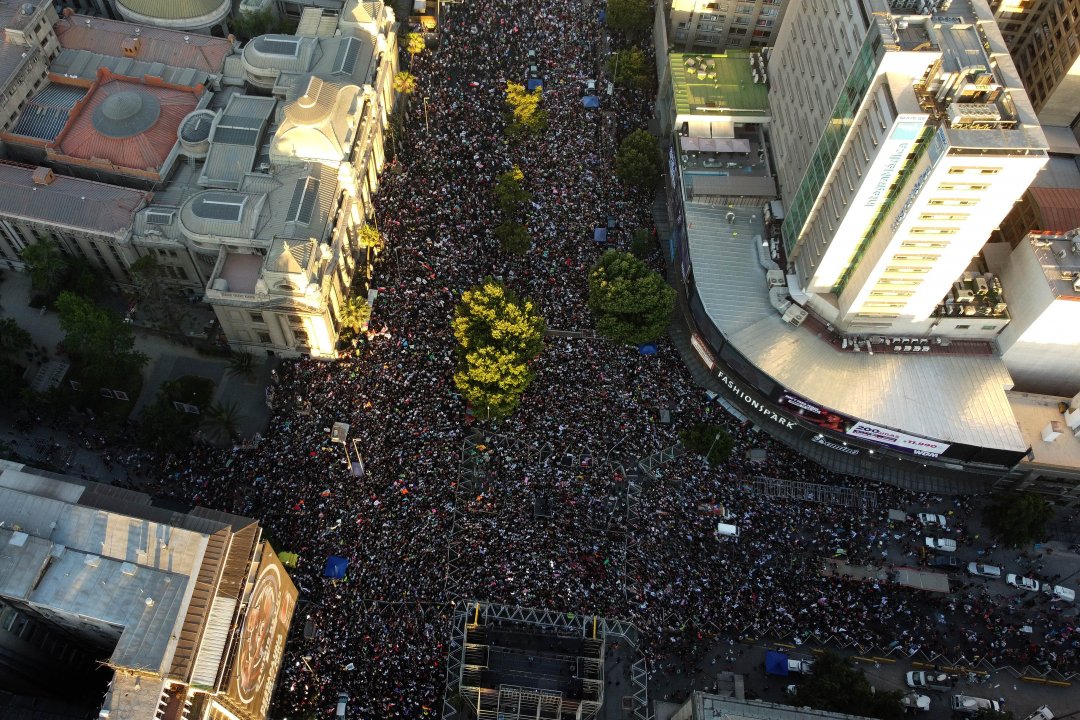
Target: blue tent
(647,349)
(335,567)
(776,663)
(535,83)
(599,235)
(590,101)
(603,16)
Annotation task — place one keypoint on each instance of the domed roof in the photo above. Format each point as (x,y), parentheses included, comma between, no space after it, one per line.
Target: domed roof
(126,113)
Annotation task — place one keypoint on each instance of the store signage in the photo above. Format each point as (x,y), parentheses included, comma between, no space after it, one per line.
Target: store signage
(754,403)
(820,440)
(911,443)
(698,344)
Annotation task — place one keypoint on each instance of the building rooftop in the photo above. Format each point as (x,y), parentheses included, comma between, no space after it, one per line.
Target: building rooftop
(173,9)
(68,202)
(14,14)
(1033,413)
(235,140)
(717,84)
(241,271)
(1059,256)
(716,707)
(46,113)
(1058,208)
(145,43)
(126,123)
(969,406)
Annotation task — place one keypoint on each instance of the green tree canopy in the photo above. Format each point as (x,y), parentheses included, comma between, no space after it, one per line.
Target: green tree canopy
(1017,519)
(631,303)
(166,427)
(100,339)
(13,337)
(248,25)
(642,243)
(221,422)
(836,685)
(49,267)
(631,68)
(498,335)
(513,237)
(509,192)
(241,365)
(638,162)
(526,116)
(709,440)
(633,18)
(370,237)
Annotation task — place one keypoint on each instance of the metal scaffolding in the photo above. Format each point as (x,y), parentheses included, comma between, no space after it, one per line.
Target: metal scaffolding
(835,495)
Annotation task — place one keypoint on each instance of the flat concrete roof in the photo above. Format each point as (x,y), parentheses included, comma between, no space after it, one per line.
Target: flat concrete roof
(953,398)
(716,84)
(1033,413)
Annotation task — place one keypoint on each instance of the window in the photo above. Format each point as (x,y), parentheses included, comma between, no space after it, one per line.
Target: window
(256,317)
(962,327)
(943,216)
(934,231)
(264,338)
(989,327)
(961,186)
(957,202)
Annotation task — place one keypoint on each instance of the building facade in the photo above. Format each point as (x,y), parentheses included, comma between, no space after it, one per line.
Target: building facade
(708,26)
(1041,34)
(901,142)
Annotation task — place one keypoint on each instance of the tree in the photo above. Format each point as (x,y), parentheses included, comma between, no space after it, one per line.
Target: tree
(630,17)
(165,426)
(242,365)
(414,45)
(638,162)
(709,440)
(988,714)
(370,237)
(1017,519)
(526,116)
(100,340)
(631,68)
(48,266)
(632,303)
(13,337)
(405,82)
(509,193)
(498,335)
(151,281)
(221,421)
(513,237)
(835,684)
(642,243)
(247,25)
(355,313)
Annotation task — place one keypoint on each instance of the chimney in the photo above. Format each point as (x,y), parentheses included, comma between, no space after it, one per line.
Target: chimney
(43,176)
(68,12)
(131,46)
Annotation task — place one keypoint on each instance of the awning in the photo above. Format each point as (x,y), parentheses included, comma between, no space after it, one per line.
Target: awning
(599,235)
(699,128)
(707,144)
(590,101)
(335,567)
(776,663)
(723,129)
(535,84)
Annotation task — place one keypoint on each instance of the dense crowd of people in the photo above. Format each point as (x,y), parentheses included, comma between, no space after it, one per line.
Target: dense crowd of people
(542,517)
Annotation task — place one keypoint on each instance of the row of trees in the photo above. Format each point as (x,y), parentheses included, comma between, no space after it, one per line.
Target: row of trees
(511,198)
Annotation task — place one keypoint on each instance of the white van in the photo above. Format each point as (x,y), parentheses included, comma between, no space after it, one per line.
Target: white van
(1060,592)
(1041,713)
(969,705)
(342,704)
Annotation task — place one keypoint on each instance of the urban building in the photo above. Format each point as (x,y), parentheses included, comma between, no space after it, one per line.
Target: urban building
(88,220)
(29,45)
(142,611)
(190,16)
(714,107)
(1050,425)
(1041,35)
(1041,346)
(706,706)
(901,142)
(709,26)
(1051,203)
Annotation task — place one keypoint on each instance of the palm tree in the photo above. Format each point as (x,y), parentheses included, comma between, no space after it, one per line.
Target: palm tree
(222,421)
(355,313)
(242,364)
(414,45)
(405,82)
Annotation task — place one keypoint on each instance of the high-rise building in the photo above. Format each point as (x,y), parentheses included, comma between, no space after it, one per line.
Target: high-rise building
(716,25)
(1041,34)
(901,141)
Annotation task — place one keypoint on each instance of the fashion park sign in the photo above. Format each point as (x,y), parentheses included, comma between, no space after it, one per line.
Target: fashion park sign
(754,403)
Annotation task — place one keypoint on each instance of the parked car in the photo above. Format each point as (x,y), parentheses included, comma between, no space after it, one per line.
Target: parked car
(801,667)
(1060,592)
(915,701)
(590,87)
(1041,713)
(948,563)
(989,571)
(968,705)
(1023,583)
(941,544)
(930,680)
(933,519)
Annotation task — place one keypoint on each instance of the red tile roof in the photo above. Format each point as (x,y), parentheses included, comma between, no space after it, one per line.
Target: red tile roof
(1057,208)
(178,49)
(143,152)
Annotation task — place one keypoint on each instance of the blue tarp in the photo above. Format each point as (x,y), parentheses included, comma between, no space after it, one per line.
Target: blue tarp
(335,567)
(647,349)
(599,235)
(590,101)
(776,663)
(535,83)
(603,16)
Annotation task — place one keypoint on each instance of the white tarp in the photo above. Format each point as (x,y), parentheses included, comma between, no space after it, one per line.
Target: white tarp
(726,529)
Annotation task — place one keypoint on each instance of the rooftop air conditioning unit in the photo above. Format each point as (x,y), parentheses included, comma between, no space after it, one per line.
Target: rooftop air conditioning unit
(1076,285)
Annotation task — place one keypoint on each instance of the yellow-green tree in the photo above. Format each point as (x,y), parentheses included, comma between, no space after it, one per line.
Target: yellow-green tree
(414,43)
(405,82)
(526,116)
(498,335)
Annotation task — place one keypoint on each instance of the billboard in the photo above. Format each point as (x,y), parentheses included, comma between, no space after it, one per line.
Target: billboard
(897,439)
(261,645)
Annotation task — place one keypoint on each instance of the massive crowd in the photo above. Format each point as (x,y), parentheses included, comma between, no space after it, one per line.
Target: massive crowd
(543,516)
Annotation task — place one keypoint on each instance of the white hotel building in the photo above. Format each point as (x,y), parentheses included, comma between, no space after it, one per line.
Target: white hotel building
(901,141)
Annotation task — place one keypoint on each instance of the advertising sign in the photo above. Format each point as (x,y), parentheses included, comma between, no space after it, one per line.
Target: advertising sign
(903,441)
(262,638)
(811,413)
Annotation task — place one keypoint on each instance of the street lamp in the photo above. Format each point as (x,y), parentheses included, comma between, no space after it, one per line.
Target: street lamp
(427,128)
